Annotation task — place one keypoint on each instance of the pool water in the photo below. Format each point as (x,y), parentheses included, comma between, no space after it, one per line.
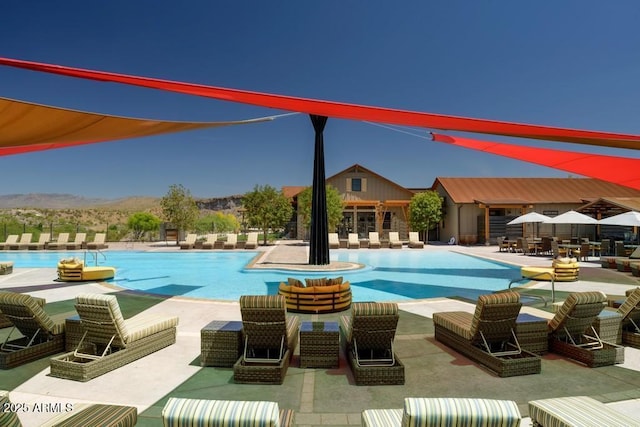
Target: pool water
(388,275)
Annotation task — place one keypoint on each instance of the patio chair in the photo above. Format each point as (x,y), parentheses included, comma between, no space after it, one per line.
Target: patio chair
(109,341)
(182,412)
(503,244)
(577,411)
(557,251)
(252,240)
(23,243)
(612,261)
(488,335)
(353,242)
(61,243)
(41,336)
(414,240)
(571,331)
(334,241)
(189,242)
(98,242)
(446,411)
(394,240)
(78,242)
(11,239)
(231,242)
(270,338)
(630,312)
(41,243)
(368,338)
(210,241)
(583,252)
(374,240)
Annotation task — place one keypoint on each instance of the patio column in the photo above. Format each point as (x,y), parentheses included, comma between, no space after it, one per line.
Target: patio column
(319,239)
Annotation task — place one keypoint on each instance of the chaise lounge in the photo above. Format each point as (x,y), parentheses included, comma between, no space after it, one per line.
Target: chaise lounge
(334,241)
(98,242)
(181,412)
(613,261)
(446,411)
(231,242)
(189,242)
(41,336)
(23,243)
(270,338)
(374,240)
(488,336)
(353,241)
(368,339)
(394,240)
(61,243)
(414,240)
(109,341)
(210,241)
(252,240)
(630,312)
(578,411)
(11,240)
(572,333)
(41,243)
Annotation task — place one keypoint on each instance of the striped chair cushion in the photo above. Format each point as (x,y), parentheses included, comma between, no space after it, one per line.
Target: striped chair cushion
(295,282)
(576,411)
(630,304)
(35,306)
(321,281)
(146,324)
(374,308)
(570,303)
(460,412)
(87,414)
(381,417)
(7,418)
(484,300)
(458,322)
(180,412)
(345,325)
(262,301)
(335,281)
(111,302)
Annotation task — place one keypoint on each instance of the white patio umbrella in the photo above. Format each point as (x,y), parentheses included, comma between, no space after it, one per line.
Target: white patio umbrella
(572,217)
(531,217)
(631,218)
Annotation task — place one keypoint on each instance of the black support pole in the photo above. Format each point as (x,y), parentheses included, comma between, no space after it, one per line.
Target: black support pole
(319,239)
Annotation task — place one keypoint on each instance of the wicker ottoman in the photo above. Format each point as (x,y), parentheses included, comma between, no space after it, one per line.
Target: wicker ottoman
(221,343)
(532,333)
(319,345)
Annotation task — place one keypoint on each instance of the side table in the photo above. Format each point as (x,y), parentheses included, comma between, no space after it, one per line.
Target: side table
(221,343)
(319,345)
(532,333)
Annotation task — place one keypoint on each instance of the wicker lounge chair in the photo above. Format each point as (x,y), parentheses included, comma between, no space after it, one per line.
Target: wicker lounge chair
(6,267)
(270,338)
(109,341)
(334,241)
(353,242)
(180,412)
(79,241)
(41,243)
(98,242)
(189,242)
(210,241)
(446,411)
(578,411)
(11,239)
(232,241)
(41,336)
(414,240)
(368,338)
(252,240)
(374,240)
(83,414)
(61,243)
(394,240)
(572,333)
(630,312)
(612,261)
(488,336)
(23,243)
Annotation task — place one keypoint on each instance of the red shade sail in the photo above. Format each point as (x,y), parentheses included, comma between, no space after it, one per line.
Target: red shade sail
(348,111)
(619,170)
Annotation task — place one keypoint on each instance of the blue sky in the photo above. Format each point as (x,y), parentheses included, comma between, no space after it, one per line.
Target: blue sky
(571,63)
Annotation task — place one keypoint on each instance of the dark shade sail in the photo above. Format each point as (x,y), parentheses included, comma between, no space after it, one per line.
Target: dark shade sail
(319,239)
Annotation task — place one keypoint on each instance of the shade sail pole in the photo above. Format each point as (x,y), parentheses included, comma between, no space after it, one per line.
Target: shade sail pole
(319,239)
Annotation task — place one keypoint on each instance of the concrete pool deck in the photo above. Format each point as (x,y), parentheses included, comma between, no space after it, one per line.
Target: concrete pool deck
(319,396)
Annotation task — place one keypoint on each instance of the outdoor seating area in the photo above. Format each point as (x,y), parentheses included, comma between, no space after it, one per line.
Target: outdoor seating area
(318,295)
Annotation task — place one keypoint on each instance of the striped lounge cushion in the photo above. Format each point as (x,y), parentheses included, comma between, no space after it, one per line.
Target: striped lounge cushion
(630,304)
(374,308)
(484,300)
(572,300)
(458,322)
(7,418)
(146,324)
(111,303)
(35,306)
(180,412)
(262,301)
(87,414)
(381,417)
(460,412)
(579,411)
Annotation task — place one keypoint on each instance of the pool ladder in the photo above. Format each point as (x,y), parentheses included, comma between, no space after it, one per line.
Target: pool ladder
(94,255)
(540,276)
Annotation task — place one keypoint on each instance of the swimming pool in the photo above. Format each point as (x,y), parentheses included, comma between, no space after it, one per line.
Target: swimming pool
(389,275)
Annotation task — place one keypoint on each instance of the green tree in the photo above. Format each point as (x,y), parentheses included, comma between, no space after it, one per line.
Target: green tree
(425,211)
(335,206)
(267,209)
(217,222)
(179,208)
(142,222)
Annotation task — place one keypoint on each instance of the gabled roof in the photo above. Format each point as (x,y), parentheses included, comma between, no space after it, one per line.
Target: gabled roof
(359,168)
(292,191)
(530,190)
(611,206)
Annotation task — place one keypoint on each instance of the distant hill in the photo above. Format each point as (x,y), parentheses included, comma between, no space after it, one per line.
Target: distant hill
(47,201)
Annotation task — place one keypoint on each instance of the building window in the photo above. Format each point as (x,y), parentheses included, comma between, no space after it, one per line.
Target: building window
(386,222)
(356,184)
